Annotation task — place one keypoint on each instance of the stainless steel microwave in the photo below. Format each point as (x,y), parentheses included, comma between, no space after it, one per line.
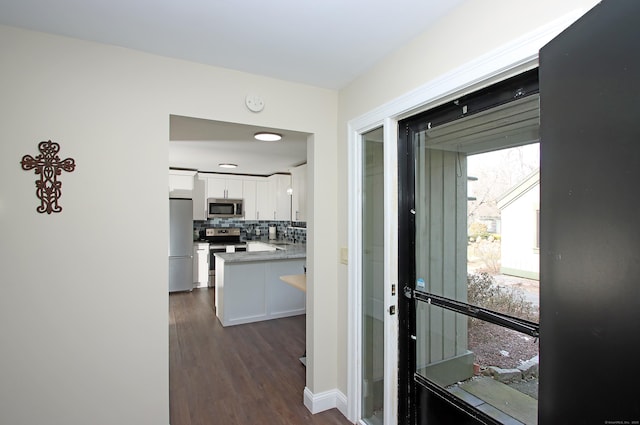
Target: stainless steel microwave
(217,207)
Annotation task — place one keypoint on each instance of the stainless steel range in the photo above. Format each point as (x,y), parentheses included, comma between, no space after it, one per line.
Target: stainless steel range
(222,239)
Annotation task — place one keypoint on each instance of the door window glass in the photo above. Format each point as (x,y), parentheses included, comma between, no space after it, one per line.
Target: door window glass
(473,204)
(372,384)
(476,245)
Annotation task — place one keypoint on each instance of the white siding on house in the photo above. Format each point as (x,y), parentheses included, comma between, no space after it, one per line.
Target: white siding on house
(519,243)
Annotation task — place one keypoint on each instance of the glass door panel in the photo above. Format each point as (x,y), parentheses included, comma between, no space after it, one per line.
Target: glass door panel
(373,313)
(506,392)
(475,343)
(458,313)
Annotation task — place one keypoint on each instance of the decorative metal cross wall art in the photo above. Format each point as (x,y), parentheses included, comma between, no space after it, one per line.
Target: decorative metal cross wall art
(49,166)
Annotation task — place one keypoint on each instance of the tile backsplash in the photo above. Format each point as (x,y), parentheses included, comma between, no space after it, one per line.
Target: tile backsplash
(291,231)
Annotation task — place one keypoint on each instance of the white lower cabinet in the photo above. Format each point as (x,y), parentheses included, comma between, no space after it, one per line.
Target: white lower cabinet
(200,265)
(252,291)
(283,299)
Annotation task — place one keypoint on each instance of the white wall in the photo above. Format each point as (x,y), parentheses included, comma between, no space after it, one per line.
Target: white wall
(84,304)
(474,29)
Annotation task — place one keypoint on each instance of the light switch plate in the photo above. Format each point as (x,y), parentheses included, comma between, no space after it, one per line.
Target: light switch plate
(344,255)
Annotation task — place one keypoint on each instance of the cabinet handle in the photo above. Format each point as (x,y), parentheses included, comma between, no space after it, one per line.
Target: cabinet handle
(274,215)
(257,215)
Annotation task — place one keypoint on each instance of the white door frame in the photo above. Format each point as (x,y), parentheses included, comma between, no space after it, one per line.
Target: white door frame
(512,59)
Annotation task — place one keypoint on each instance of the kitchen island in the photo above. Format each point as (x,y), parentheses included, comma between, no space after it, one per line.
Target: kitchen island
(248,286)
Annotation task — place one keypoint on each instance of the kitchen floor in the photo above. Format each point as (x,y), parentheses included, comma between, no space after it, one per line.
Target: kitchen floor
(236,375)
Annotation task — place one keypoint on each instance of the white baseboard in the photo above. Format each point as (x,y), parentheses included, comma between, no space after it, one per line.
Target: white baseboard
(325,400)
(341,404)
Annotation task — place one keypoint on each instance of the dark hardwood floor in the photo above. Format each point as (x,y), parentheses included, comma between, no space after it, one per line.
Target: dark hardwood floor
(245,374)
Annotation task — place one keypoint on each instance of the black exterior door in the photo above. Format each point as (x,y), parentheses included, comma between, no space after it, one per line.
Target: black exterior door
(589,88)
(438,341)
(590,227)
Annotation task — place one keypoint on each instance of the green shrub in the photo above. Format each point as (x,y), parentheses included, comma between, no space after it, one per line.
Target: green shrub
(482,291)
(489,252)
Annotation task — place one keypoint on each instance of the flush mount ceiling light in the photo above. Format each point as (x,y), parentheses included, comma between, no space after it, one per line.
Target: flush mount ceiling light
(267,137)
(227,165)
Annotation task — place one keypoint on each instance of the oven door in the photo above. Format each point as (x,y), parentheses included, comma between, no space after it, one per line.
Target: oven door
(212,261)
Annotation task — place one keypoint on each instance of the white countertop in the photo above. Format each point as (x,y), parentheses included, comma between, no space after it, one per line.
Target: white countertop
(282,252)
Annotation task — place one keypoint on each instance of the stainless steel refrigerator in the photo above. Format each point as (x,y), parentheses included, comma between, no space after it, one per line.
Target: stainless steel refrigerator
(180,244)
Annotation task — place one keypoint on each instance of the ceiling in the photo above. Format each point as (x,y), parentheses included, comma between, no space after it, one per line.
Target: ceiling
(202,144)
(323,43)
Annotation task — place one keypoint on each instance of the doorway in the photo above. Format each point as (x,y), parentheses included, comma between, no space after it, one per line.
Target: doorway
(446,305)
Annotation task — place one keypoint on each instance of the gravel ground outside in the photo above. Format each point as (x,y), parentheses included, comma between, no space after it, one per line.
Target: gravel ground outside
(507,349)
(494,345)
(502,347)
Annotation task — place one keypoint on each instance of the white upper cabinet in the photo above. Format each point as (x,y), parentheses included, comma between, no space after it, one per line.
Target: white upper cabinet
(181,183)
(299,194)
(265,200)
(234,188)
(200,198)
(250,203)
(280,184)
(213,186)
(216,188)
(224,187)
